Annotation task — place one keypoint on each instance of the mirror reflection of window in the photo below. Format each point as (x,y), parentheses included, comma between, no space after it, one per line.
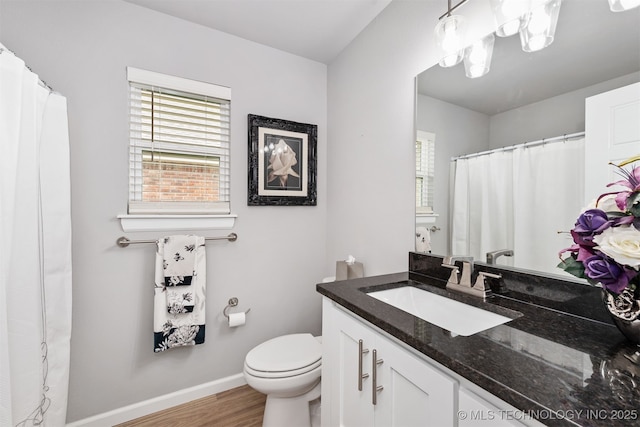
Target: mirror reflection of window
(425,160)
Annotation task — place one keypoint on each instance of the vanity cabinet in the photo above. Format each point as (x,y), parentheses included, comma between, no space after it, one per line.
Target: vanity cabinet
(369,380)
(474,411)
(394,386)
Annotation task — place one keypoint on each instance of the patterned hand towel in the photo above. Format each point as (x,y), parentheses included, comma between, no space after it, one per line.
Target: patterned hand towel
(180,285)
(178,254)
(179,268)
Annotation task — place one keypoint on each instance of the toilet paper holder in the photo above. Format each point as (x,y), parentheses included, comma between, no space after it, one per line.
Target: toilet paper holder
(233,302)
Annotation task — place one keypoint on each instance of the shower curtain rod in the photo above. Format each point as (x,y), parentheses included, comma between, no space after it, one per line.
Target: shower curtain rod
(40,81)
(542,141)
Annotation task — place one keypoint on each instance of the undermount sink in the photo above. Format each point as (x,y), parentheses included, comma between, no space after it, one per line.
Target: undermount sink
(457,317)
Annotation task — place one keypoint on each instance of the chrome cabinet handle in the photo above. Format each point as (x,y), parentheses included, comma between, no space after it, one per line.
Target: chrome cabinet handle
(375,388)
(361,352)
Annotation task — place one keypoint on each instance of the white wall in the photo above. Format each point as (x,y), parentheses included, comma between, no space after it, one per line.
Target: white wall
(81,48)
(371,145)
(556,116)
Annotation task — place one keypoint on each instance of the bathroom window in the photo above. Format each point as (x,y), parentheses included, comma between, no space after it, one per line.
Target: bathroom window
(425,155)
(179,145)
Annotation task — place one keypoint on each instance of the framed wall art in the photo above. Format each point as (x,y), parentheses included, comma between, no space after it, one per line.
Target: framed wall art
(282,162)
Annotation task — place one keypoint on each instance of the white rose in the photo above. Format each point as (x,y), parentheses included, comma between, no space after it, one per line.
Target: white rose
(622,244)
(281,162)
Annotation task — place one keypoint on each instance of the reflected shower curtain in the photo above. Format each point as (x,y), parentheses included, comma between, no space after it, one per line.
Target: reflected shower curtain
(549,197)
(35,249)
(482,210)
(518,199)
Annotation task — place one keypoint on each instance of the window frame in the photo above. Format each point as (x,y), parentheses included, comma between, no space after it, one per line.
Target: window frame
(425,170)
(157,82)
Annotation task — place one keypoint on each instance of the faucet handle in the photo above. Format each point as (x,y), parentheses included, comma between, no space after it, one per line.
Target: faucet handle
(481,285)
(467,269)
(453,278)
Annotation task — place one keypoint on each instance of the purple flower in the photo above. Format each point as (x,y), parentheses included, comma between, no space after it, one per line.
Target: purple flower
(631,181)
(590,223)
(623,220)
(579,252)
(610,274)
(595,255)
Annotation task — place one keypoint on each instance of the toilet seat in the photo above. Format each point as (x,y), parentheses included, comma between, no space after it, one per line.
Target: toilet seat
(284,356)
(281,374)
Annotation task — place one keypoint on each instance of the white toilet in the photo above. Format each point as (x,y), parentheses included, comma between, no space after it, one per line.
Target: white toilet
(287,370)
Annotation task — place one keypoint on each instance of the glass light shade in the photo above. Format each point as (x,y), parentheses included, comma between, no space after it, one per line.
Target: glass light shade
(450,33)
(622,5)
(477,57)
(509,15)
(451,59)
(540,27)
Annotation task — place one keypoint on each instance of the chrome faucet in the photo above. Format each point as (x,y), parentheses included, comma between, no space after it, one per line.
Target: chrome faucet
(467,269)
(492,256)
(462,283)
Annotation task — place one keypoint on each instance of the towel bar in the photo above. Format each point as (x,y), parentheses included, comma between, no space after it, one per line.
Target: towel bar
(123,242)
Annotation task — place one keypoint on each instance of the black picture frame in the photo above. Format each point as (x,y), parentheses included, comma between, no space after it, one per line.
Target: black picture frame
(282,162)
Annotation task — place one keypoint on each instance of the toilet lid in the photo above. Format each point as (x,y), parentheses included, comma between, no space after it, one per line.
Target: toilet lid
(285,353)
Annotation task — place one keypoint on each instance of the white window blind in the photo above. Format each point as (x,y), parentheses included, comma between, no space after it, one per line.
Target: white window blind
(179,145)
(425,162)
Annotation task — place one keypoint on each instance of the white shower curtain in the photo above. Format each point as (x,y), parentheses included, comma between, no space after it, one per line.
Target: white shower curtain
(483,214)
(518,199)
(35,249)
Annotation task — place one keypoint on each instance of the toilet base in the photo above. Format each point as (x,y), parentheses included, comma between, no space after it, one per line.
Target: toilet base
(289,411)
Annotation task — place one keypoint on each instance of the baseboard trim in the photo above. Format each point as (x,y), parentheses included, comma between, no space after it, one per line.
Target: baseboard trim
(140,409)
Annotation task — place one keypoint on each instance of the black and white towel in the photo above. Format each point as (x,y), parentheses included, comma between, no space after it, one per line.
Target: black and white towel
(179,298)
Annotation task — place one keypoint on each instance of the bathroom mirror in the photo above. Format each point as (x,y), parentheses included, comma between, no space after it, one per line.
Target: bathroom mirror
(594,51)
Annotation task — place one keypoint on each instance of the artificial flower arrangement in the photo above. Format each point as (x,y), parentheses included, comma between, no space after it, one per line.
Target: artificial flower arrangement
(606,237)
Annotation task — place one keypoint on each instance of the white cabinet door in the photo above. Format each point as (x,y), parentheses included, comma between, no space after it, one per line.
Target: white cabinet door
(356,408)
(350,405)
(414,394)
(612,134)
(474,411)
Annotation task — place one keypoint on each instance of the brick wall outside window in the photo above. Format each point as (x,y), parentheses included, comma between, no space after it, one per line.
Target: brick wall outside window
(179,182)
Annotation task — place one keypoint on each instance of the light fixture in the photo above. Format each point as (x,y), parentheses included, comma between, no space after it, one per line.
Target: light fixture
(540,25)
(477,57)
(622,5)
(450,35)
(509,15)
(451,59)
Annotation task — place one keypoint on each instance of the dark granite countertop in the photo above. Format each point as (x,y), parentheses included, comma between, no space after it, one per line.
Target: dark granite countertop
(562,368)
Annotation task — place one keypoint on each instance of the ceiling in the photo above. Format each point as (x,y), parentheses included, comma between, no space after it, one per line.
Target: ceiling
(592,44)
(314,29)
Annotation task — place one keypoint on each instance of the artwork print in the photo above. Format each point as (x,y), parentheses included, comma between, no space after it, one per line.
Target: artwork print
(282,162)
